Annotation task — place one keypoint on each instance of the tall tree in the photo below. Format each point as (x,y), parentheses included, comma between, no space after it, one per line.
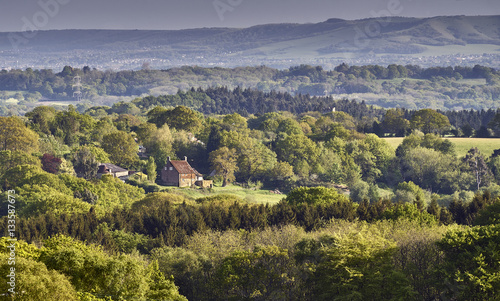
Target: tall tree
(395,123)
(121,147)
(151,169)
(429,121)
(41,118)
(15,136)
(85,163)
(180,118)
(478,166)
(224,162)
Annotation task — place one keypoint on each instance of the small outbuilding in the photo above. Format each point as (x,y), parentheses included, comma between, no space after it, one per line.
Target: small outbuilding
(111,169)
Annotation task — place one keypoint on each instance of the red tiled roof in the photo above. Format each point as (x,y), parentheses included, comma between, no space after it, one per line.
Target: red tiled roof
(183,167)
(197,173)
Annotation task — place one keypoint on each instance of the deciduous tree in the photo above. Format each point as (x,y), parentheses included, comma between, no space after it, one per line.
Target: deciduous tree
(121,147)
(475,161)
(15,136)
(151,169)
(85,163)
(429,121)
(224,161)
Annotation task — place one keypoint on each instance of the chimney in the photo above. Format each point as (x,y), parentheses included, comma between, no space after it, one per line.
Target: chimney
(185,158)
(168,159)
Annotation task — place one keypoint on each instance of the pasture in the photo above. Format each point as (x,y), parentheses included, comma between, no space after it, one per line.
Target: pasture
(253,196)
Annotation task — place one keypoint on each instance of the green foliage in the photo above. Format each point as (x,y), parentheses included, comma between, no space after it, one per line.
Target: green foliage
(72,126)
(19,175)
(160,287)
(432,170)
(52,145)
(158,143)
(100,155)
(255,160)
(180,118)
(41,192)
(281,171)
(121,147)
(261,274)
(429,121)
(478,167)
(151,169)
(395,123)
(471,267)
(490,215)
(314,196)
(102,128)
(15,136)
(33,281)
(9,159)
(85,163)
(430,141)
(235,122)
(41,119)
(188,268)
(222,248)
(220,199)
(37,199)
(353,266)
(223,160)
(410,212)
(114,194)
(409,192)
(298,150)
(92,270)
(22,248)
(362,191)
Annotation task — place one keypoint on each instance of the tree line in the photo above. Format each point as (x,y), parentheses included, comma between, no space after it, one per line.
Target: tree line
(408,86)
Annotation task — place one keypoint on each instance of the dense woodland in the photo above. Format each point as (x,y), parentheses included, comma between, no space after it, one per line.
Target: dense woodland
(411,87)
(359,221)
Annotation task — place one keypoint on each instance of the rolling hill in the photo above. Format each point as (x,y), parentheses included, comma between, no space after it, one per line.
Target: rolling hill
(458,40)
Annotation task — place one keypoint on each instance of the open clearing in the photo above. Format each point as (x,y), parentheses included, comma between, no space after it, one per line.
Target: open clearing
(462,145)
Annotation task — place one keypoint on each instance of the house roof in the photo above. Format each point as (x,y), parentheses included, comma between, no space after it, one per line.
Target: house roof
(183,167)
(108,167)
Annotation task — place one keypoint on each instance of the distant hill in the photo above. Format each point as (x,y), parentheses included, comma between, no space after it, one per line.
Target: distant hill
(456,40)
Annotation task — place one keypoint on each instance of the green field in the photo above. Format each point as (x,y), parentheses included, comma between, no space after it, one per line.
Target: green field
(257,196)
(462,145)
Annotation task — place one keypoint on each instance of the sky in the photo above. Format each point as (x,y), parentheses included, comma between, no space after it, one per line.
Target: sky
(21,15)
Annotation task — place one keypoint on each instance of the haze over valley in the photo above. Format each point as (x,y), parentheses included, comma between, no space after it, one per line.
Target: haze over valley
(436,41)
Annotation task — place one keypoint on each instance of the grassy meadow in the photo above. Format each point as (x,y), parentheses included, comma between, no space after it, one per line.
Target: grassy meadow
(254,196)
(462,145)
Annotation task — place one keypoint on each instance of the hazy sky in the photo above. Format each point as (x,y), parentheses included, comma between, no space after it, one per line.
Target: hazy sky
(17,15)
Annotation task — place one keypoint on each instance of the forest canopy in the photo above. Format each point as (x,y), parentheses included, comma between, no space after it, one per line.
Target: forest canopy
(416,222)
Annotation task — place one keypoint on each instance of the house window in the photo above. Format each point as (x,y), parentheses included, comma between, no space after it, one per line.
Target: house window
(171,168)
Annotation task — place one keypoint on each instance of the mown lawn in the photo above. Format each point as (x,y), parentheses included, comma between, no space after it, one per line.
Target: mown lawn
(462,145)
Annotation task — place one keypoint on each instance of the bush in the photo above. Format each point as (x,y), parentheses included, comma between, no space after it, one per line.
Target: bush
(220,198)
(314,196)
